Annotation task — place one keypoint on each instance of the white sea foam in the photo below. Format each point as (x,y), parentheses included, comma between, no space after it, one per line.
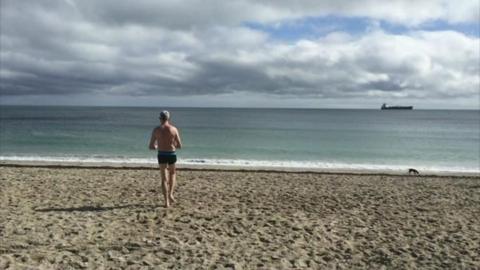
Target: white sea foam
(78,159)
(327,166)
(241,163)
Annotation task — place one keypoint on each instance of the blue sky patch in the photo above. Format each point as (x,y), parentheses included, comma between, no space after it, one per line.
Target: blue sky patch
(317,27)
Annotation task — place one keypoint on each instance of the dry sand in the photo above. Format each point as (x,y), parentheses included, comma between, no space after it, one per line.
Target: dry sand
(114,219)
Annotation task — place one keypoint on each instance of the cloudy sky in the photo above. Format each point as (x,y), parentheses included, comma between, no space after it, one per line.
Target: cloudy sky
(241,53)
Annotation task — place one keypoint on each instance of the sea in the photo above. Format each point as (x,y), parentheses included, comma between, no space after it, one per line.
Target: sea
(320,139)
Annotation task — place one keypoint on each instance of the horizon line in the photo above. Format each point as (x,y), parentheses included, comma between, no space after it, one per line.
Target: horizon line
(227,107)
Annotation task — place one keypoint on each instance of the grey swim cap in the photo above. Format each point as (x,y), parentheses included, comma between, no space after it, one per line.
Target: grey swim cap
(164,115)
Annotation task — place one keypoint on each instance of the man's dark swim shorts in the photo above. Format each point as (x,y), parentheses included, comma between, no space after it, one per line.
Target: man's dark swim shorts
(169,157)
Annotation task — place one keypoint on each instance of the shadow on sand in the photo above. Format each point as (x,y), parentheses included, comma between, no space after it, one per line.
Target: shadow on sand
(96,208)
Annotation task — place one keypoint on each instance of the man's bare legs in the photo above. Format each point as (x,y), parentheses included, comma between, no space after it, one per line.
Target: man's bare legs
(165,185)
(172,181)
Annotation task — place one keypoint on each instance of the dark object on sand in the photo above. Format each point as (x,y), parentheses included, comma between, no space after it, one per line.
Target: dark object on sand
(413,171)
(385,107)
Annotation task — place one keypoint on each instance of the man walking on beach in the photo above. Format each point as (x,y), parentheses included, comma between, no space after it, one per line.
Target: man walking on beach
(166,139)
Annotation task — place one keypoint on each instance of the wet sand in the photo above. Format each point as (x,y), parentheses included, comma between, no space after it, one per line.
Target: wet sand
(81,218)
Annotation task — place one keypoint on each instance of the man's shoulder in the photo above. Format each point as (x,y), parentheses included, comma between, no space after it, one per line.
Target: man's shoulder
(174,129)
(170,127)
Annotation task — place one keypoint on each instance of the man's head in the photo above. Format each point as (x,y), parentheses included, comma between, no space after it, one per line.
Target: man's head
(164,116)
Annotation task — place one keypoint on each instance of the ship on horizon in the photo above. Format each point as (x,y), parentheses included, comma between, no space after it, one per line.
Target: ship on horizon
(385,107)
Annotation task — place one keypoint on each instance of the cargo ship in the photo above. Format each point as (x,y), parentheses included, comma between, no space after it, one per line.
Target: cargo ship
(385,107)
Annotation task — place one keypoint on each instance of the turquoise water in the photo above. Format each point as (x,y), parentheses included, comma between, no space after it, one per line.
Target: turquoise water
(436,140)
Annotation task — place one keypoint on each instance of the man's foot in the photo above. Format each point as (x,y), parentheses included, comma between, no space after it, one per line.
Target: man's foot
(172,199)
(167,204)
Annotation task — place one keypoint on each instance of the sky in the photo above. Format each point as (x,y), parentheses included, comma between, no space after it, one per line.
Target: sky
(241,53)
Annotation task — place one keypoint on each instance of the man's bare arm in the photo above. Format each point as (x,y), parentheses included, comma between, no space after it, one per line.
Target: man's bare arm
(151,145)
(178,140)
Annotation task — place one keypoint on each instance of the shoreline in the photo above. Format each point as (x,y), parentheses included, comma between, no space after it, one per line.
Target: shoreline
(230,168)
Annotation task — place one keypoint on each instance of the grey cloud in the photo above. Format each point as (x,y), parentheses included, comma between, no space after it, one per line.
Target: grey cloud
(386,86)
(106,47)
(191,14)
(187,14)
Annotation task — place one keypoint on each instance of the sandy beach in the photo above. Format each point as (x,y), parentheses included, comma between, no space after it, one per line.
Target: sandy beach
(84,218)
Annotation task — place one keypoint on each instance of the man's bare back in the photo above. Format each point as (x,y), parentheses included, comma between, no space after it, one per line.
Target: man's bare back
(165,138)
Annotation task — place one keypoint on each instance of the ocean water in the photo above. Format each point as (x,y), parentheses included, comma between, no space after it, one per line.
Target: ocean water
(429,140)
